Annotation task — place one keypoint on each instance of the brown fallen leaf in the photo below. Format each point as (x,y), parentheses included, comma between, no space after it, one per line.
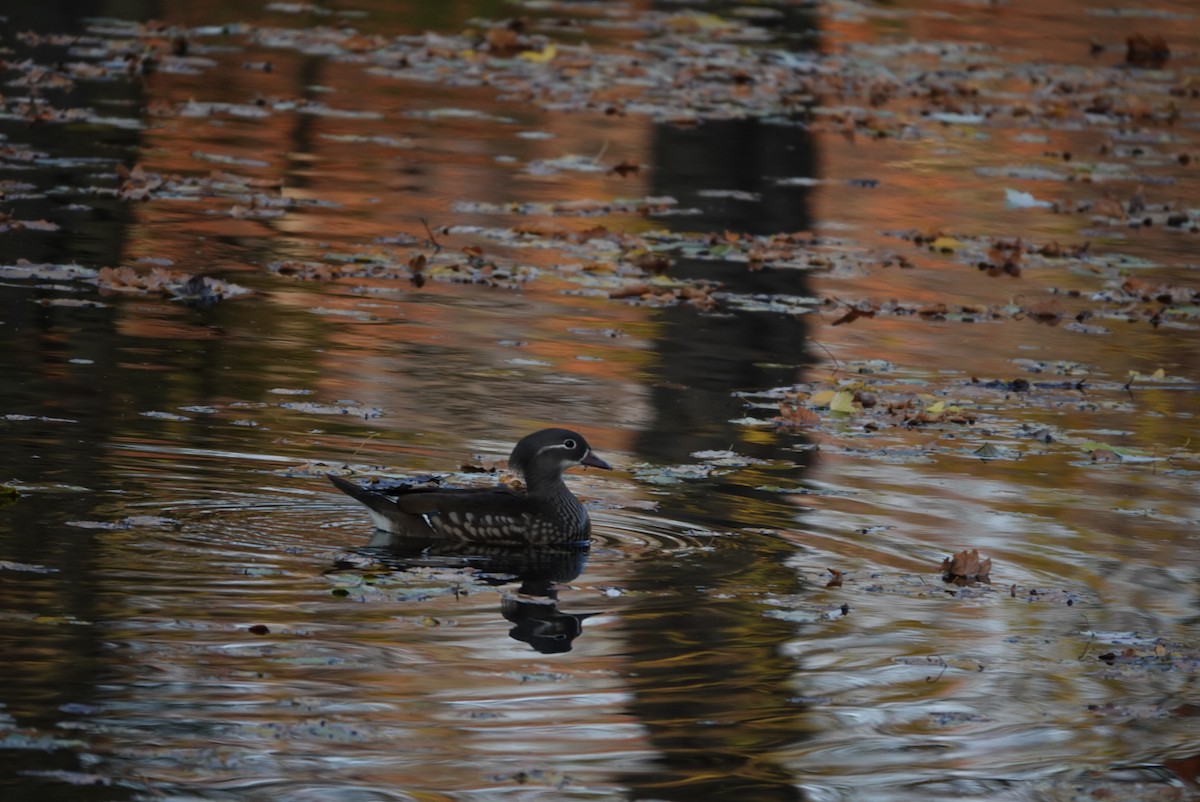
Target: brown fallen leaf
(1049,312)
(1109,206)
(588,234)
(1004,258)
(503,41)
(836,582)
(797,416)
(965,568)
(630,291)
(655,263)
(854,313)
(699,297)
(755,259)
(547,229)
(626,168)
(1146,51)
(417,265)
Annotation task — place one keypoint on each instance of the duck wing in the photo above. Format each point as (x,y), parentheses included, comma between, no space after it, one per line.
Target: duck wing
(465,501)
(493,513)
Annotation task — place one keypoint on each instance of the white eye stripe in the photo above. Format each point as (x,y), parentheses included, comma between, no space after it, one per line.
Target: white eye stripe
(558,446)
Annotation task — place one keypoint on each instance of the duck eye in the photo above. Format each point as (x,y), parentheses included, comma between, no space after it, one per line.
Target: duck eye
(569,443)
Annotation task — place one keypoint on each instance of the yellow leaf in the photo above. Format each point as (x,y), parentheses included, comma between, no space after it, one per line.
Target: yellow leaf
(1159,375)
(539,56)
(945,244)
(935,409)
(843,401)
(822,399)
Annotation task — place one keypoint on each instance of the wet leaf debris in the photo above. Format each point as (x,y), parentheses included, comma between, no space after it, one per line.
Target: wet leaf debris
(886,412)
(967,568)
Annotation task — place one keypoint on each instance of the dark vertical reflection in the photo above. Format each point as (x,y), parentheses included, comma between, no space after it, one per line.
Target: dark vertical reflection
(49,672)
(734,172)
(83,155)
(702,357)
(709,680)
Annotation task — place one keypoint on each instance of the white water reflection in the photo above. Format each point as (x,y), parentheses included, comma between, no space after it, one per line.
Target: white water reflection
(242,653)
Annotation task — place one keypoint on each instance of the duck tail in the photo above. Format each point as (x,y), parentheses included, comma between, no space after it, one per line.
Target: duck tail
(373,500)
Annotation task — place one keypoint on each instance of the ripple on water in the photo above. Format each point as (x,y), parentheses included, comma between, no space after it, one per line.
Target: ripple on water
(636,532)
(251,659)
(248,663)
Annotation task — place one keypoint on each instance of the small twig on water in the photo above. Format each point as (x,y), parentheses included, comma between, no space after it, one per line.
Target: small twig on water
(943,671)
(1087,645)
(363,444)
(437,246)
(603,149)
(837,366)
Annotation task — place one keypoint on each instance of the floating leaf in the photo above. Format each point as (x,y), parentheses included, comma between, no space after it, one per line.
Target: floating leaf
(547,53)
(966,568)
(843,401)
(945,244)
(822,398)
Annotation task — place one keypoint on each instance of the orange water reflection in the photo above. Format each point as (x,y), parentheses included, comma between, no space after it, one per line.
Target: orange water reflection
(217,651)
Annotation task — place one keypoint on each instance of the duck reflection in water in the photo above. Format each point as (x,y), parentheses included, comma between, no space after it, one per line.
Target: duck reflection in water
(532,607)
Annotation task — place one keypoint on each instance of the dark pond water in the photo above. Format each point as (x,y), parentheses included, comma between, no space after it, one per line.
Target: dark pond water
(832,286)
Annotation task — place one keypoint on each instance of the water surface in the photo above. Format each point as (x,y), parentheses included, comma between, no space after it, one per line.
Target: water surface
(189,611)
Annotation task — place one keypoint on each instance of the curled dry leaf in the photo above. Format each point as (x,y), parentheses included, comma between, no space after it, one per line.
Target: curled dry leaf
(965,568)
(1049,312)
(1146,51)
(862,309)
(797,416)
(1004,258)
(626,168)
(638,290)
(655,263)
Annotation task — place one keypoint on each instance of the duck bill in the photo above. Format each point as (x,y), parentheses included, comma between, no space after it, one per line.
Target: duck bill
(593,461)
